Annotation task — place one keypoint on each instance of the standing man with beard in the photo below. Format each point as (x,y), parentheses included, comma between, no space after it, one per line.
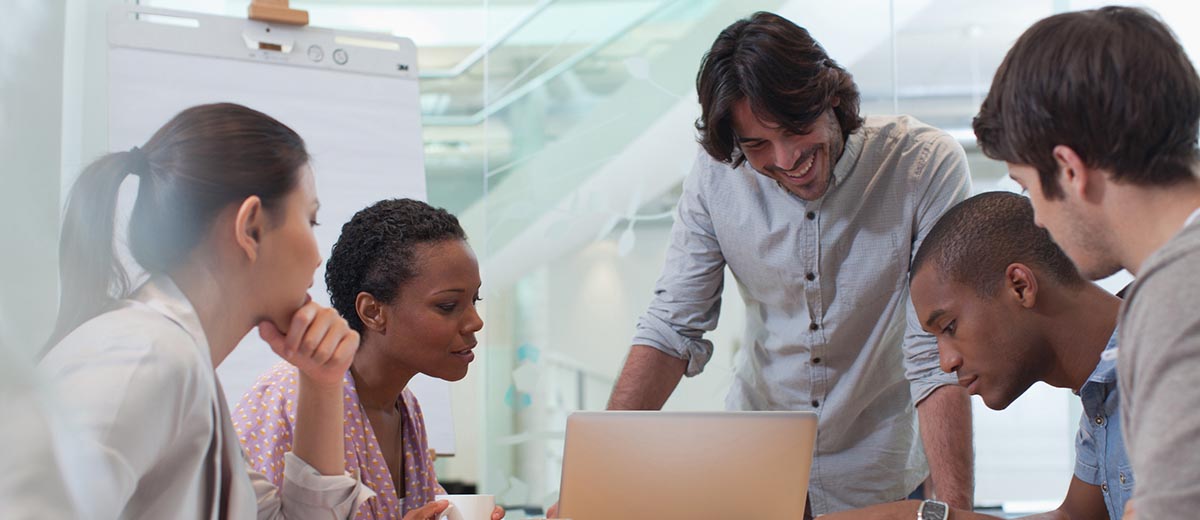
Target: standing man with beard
(1097,114)
(817,212)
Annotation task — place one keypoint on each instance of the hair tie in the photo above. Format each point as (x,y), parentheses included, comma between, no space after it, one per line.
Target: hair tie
(138,164)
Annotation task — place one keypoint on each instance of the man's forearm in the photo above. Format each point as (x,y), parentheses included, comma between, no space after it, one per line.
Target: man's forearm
(647,380)
(945,418)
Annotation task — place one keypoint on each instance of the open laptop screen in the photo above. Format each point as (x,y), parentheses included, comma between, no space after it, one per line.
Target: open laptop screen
(685,465)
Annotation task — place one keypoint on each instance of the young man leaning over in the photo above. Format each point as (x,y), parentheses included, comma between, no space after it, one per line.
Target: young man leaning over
(1009,309)
(1097,114)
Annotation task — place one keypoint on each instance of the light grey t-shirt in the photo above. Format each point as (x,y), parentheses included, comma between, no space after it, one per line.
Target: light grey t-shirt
(826,292)
(1160,379)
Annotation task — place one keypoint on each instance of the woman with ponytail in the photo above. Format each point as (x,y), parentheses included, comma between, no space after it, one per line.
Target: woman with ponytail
(222,228)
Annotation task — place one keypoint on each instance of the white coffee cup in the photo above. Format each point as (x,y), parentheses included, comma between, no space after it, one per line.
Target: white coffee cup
(468,507)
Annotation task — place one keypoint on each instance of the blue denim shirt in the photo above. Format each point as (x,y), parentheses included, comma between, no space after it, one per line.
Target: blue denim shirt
(1100,457)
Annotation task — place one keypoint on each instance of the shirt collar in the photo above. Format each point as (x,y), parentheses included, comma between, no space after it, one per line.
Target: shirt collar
(161,294)
(1106,369)
(1192,218)
(845,164)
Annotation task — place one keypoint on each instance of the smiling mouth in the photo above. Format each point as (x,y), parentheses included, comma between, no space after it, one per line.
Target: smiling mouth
(800,172)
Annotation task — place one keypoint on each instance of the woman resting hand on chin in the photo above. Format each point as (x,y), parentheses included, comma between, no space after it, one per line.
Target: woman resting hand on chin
(223,228)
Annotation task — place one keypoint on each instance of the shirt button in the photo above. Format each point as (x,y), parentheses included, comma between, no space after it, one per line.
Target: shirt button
(1100,420)
(810,277)
(1104,487)
(811,215)
(1122,478)
(813,326)
(815,403)
(816,361)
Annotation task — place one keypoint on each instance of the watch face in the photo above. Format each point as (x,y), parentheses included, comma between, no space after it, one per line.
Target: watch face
(934,511)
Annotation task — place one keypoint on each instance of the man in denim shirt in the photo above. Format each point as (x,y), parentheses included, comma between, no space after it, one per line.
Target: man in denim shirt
(1009,309)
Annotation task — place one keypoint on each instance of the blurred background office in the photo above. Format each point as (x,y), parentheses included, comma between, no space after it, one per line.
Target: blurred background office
(559,131)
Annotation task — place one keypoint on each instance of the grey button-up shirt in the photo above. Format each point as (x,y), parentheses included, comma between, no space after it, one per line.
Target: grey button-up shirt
(825,286)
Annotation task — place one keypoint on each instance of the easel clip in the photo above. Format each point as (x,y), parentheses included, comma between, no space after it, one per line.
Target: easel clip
(277,11)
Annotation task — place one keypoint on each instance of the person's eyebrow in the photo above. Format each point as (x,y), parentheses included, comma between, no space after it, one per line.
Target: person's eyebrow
(933,316)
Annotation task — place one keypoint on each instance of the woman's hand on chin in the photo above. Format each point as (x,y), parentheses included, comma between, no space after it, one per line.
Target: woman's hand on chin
(318,341)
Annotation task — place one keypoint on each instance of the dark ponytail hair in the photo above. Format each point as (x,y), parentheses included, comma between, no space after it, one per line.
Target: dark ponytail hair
(202,160)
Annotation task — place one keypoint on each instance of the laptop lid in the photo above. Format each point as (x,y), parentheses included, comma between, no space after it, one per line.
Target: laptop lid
(686,465)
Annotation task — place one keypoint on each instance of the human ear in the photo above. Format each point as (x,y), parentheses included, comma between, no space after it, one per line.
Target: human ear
(248,226)
(371,312)
(1074,172)
(1021,283)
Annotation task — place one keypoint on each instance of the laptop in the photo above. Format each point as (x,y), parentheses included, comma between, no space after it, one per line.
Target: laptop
(686,466)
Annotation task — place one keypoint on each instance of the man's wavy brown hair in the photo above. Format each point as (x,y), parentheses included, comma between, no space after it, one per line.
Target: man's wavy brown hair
(782,71)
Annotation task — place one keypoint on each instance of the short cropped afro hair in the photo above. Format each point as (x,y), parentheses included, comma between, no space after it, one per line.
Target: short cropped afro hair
(976,240)
(375,253)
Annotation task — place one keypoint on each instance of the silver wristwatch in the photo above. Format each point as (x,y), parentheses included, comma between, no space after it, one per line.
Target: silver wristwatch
(933,510)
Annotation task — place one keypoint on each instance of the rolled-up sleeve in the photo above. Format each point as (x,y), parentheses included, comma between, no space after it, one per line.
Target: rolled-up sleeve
(306,493)
(942,181)
(687,297)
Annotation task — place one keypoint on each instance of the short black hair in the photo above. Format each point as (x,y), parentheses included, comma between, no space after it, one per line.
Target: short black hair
(1114,84)
(977,239)
(782,71)
(375,252)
